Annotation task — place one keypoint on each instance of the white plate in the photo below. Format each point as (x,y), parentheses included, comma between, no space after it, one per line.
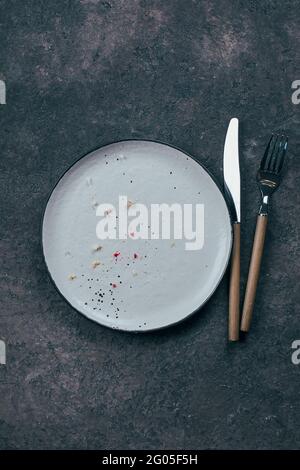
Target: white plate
(152,283)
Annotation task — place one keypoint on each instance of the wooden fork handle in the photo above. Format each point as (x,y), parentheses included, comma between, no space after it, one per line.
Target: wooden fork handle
(234,286)
(257,251)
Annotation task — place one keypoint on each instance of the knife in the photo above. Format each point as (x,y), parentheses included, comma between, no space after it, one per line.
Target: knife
(232,183)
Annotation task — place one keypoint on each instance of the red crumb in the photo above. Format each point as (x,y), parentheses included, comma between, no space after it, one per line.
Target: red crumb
(116,254)
(135,256)
(114,285)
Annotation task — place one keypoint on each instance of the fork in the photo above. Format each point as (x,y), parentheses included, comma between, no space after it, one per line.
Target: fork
(269,178)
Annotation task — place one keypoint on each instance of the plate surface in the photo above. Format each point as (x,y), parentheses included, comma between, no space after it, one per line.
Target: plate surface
(140,284)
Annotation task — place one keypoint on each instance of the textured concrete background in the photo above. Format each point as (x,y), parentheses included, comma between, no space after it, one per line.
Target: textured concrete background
(84,72)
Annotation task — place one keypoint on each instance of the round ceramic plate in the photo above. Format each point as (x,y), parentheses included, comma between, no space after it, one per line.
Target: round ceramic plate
(135,284)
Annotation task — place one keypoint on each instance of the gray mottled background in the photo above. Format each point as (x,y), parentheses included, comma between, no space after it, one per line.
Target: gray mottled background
(85,72)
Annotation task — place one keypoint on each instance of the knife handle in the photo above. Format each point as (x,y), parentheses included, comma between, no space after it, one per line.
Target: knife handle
(234,287)
(257,251)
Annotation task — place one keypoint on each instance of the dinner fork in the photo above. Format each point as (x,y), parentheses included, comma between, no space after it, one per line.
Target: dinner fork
(269,178)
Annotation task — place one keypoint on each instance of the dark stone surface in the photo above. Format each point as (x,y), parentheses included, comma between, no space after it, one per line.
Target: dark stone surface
(80,74)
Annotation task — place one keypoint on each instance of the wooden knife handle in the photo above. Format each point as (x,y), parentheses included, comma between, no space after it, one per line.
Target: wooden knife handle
(257,251)
(234,287)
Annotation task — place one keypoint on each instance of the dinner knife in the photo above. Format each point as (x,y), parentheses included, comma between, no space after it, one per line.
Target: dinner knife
(232,183)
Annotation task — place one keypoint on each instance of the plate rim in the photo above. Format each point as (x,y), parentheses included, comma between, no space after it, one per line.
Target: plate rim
(216,182)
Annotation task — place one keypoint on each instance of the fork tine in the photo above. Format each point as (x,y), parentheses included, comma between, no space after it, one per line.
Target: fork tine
(280,160)
(273,149)
(276,153)
(264,158)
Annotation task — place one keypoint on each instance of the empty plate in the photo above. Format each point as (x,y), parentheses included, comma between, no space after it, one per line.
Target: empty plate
(134,283)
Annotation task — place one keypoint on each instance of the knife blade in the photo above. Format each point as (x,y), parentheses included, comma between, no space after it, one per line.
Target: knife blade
(232,183)
(231,167)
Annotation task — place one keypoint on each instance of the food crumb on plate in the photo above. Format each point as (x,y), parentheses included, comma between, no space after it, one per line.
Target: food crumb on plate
(95,263)
(97,248)
(135,255)
(129,203)
(116,254)
(72,276)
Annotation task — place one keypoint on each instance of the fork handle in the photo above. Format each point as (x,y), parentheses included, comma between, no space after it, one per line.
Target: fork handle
(257,251)
(234,286)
